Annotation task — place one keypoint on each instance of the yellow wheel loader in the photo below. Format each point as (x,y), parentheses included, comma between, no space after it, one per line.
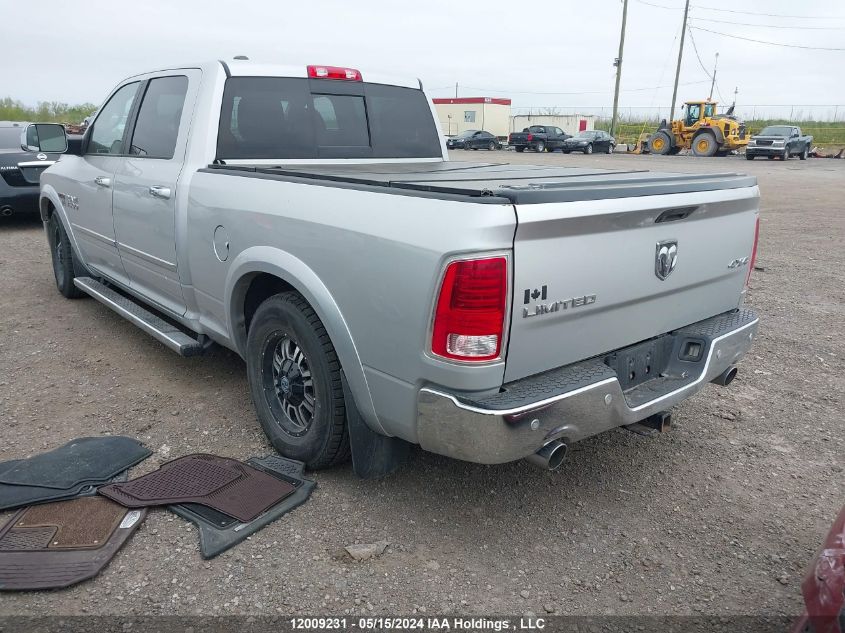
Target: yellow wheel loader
(700,130)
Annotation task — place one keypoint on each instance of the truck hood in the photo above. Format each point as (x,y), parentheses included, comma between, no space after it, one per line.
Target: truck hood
(769,138)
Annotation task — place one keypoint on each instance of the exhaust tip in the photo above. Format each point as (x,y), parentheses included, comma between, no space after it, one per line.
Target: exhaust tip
(726,377)
(550,457)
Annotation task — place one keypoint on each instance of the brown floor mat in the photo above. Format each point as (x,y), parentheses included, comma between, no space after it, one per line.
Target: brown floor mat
(60,544)
(227,485)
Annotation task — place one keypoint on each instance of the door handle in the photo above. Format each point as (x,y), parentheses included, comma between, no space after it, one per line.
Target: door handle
(160,192)
(102,181)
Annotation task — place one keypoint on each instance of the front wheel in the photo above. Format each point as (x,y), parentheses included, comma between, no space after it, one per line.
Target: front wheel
(588,149)
(785,155)
(610,148)
(491,146)
(749,157)
(294,379)
(65,265)
(540,147)
(519,149)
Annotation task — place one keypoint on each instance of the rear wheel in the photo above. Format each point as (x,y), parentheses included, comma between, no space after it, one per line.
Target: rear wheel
(65,265)
(705,145)
(519,149)
(566,151)
(749,157)
(491,146)
(660,143)
(294,379)
(540,147)
(804,153)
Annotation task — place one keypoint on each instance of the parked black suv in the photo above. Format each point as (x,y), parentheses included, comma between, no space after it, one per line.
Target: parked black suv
(21,163)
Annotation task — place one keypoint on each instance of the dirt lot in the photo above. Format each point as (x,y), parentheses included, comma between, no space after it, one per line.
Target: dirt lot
(718,516)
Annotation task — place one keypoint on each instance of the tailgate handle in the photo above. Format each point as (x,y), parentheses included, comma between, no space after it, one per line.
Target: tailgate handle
(670,215)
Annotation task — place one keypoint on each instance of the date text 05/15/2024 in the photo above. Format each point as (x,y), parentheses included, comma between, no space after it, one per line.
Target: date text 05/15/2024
(417,623)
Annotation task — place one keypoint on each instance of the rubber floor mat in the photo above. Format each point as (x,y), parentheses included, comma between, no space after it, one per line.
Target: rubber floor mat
(219,532)
(226,485)
(13,496)
(86,459)
(60,544)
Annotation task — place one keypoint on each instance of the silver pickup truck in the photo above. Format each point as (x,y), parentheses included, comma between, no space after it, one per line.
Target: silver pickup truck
(309,219)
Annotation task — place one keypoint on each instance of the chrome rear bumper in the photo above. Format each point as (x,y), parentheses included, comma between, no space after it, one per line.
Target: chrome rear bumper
(573,402)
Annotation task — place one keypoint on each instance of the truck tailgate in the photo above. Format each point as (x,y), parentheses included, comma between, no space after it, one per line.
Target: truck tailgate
(586,274)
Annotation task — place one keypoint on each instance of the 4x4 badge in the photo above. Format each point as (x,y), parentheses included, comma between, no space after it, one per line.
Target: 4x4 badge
(665,258)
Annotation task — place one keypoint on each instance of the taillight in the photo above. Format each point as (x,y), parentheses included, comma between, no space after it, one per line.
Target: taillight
(334,72)
(530,137)
(469,320)
(753,251)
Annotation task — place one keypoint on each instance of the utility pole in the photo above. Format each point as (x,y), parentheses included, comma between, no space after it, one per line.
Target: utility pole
(456,90)
(618,64)
(713,81)
(680,57)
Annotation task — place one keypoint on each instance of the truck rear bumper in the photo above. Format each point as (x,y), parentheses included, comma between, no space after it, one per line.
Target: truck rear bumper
(580,400)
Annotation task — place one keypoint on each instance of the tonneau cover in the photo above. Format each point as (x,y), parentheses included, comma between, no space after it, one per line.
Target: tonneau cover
(519,184)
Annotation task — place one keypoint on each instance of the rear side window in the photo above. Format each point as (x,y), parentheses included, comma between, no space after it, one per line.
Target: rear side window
(107,132)
(10,137)
(291,118)
(158,121)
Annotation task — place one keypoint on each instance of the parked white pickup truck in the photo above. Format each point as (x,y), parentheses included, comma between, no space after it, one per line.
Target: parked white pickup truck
(381,295)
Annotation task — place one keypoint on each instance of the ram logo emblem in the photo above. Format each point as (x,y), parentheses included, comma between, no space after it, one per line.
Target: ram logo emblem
(665,258)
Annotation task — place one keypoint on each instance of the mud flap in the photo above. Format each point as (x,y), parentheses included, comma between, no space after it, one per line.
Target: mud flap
(373,455)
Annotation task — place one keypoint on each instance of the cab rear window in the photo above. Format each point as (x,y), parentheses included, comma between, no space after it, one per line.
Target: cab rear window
(292,118)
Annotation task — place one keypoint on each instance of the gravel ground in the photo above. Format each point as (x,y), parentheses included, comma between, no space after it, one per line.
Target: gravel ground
(719,516)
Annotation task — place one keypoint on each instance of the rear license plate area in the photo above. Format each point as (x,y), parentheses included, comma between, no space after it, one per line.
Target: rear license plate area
(642,362)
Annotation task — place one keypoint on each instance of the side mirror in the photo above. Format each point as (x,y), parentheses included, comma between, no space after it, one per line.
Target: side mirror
(44,137)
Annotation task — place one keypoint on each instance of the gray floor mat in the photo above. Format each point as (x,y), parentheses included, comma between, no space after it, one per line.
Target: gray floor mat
(19,496)
(219,532)
(84,459)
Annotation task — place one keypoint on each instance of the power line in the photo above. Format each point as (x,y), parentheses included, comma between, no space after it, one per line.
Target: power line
(772,15)
(586,92)
(773,26)
(749,39)
(703,67)
(768,15)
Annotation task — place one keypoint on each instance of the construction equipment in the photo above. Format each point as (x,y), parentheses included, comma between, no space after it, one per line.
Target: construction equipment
(701,130)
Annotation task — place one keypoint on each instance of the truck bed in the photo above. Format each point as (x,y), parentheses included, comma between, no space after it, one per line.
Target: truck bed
(500,182)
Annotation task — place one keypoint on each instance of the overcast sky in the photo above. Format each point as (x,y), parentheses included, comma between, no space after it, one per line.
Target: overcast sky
(76,52)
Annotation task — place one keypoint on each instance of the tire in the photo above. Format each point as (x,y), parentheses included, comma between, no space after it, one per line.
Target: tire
(588,149)
(610,148)
(770,157)
(660,143)
(540,147)
(491,146)
(749,157)
(705,145)
(566,151)
(65,265)
(805,153)
(519,149)
(286,344)
(785,155)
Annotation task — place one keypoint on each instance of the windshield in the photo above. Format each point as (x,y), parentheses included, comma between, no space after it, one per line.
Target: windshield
(285,117)
(10,137)
(776,130)
(466,134)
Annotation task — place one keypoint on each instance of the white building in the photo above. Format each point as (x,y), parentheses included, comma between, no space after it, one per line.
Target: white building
(569,123)
(473,113)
